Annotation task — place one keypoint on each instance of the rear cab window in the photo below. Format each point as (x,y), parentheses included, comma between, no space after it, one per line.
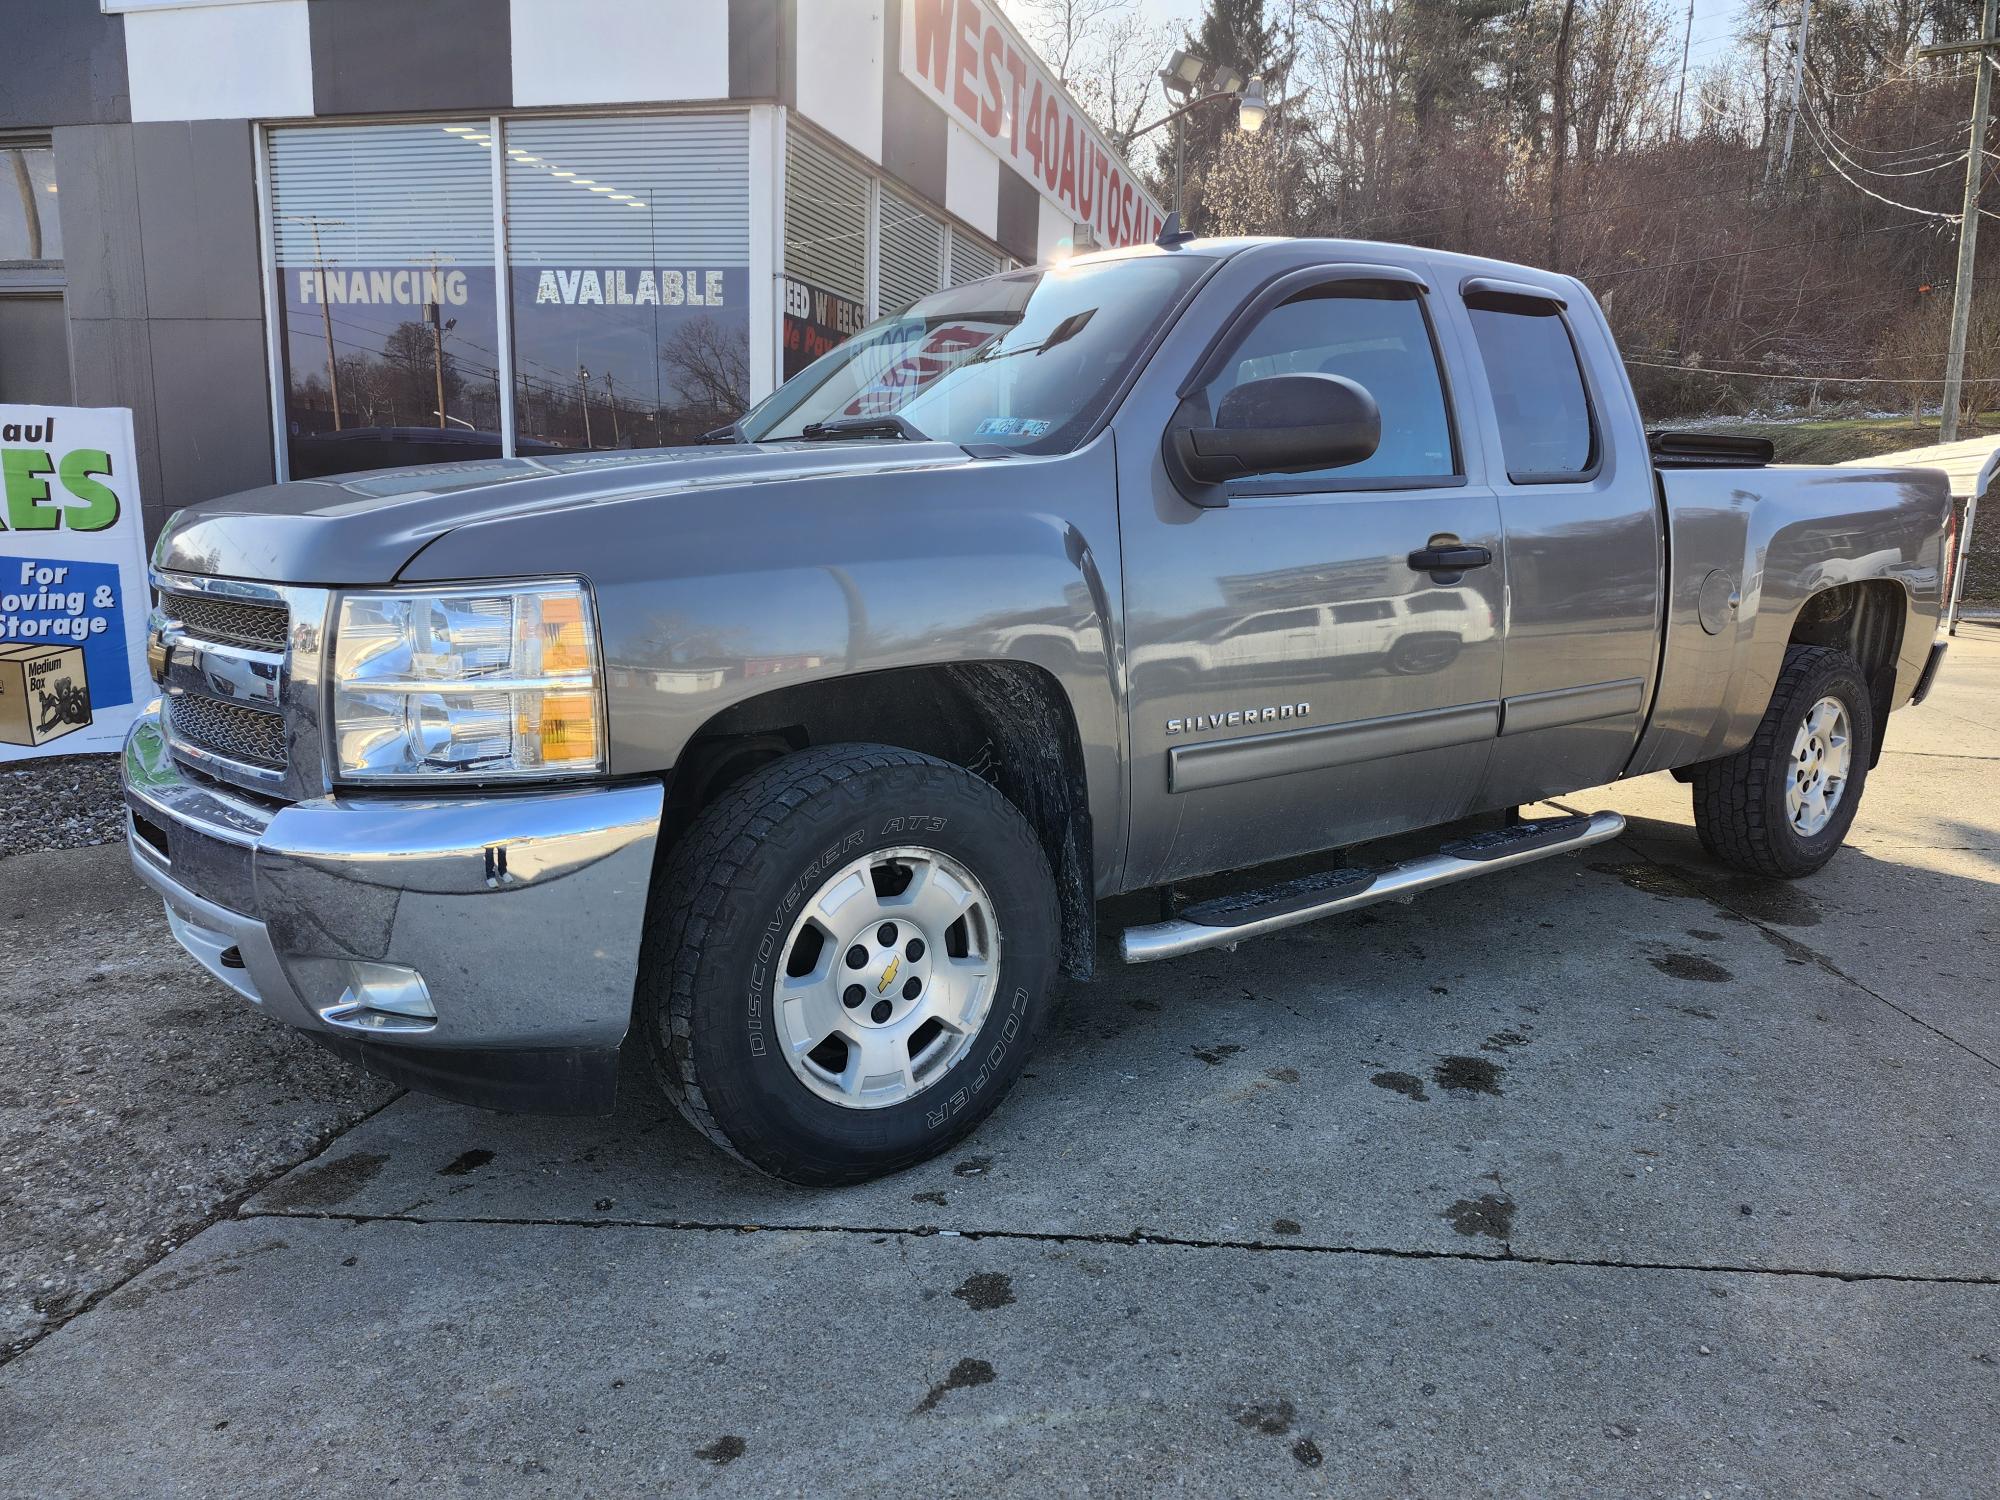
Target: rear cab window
(1548,431)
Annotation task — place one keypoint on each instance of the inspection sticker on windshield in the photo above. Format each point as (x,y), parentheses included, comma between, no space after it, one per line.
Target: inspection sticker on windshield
(1011,427)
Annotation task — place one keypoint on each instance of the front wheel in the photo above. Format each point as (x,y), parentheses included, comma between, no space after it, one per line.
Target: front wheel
(847,959)
(1781,805)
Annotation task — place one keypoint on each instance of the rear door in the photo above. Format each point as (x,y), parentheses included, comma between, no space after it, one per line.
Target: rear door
(1295,682)
(1583,538)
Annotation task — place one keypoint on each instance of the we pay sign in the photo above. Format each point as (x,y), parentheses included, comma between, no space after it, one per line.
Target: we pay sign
(73,592)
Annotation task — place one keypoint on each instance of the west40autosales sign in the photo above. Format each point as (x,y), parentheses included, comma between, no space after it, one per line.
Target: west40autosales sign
(72,581)
(964,56)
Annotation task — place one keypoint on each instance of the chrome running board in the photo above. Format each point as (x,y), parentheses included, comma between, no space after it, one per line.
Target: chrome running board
(1228,920)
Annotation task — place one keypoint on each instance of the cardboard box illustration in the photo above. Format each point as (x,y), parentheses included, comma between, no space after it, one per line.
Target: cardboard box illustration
(44,694)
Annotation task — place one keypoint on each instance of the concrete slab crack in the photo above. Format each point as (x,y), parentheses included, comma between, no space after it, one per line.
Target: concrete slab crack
(1507,1255)
(228,1208)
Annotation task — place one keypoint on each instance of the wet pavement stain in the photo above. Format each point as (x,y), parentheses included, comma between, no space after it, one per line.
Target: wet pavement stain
(1691,966)
(464,1162)
(1282,1075)
(1274,1418)
(1654,880)
(1306,1451)
(1214,1055)
(1704,934)
(964,1375)
(1490,1214)
(1468,1075)
(328,1184)
(1406,1084)
(1286,1226)
(724,1450)
(985,1290)
(1781,902)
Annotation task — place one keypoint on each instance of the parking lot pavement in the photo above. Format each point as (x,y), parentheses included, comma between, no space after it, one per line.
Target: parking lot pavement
(1620,1174)
(138,1099)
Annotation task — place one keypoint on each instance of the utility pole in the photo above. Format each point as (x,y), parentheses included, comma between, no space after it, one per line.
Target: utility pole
(1559,137)
(1680,91)
(611,395)
(1987,51)
(583,384)
(1798,90)
(313,221)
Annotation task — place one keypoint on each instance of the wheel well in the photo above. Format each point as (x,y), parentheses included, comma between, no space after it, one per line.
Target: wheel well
(1866,621)
(1006,722)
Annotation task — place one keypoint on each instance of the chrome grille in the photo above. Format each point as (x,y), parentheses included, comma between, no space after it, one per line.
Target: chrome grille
(229,729)
(232,620)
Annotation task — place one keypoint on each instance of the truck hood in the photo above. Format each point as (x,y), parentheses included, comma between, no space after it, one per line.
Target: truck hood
(365,528)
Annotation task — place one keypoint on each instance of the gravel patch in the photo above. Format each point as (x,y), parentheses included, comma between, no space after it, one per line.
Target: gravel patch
(139,1098)
(61,802)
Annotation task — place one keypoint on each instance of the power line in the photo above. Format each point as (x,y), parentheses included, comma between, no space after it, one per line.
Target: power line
(1697,260)
(1860,186)
(1813,379)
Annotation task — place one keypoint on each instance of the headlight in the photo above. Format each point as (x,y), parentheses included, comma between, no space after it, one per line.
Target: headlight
(481,682)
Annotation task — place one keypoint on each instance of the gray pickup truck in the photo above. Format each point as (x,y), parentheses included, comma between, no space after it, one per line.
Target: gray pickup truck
(809,752)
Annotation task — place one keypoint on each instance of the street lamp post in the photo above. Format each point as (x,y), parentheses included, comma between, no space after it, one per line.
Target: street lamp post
(1178,79)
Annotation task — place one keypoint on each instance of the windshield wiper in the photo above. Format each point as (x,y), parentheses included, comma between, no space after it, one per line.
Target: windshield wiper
(887,425)
(730,433)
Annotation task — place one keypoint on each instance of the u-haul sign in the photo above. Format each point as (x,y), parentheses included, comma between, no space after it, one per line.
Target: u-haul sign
(963,55)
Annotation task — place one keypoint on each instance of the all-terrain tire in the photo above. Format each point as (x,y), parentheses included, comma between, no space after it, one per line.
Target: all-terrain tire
(1740,809)
(728,895)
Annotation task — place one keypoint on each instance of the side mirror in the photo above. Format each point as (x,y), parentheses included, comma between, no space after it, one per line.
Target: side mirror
(1282,424)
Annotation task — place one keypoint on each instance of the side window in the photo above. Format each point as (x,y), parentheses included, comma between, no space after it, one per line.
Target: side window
(1376,335)
(1546,430)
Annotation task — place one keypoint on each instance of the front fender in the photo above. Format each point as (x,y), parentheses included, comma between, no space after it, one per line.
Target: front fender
(708,599)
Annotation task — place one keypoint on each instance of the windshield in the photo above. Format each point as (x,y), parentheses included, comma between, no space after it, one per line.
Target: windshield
(1025,361)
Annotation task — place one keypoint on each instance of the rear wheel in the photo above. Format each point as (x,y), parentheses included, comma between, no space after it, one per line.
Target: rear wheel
(847,959)
(1782,804)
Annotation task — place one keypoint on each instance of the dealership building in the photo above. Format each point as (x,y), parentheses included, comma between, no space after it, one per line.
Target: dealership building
(302,237)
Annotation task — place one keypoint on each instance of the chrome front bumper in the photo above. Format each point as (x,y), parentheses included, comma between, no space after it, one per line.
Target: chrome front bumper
(483,947)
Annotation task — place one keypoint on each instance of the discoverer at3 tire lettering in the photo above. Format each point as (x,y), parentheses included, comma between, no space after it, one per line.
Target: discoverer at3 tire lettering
(848,958)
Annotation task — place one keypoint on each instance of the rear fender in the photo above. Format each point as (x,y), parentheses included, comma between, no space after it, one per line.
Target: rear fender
(1777,539)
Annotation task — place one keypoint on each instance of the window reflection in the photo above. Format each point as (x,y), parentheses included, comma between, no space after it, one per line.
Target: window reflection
(629,279)
(384,239)
(30,226)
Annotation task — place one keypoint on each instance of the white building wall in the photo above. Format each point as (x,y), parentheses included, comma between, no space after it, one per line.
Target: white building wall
(615,52)
(971,180)
(220,62)
(840,61)
(1056,230)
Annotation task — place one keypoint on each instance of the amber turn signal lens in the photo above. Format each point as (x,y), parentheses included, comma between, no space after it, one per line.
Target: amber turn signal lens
(569,729)
(565,637)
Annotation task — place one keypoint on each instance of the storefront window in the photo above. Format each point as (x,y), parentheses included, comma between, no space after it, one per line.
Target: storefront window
(390,330)
(629,269)
(34,340)
(911,258)
(30,227)
(826,250)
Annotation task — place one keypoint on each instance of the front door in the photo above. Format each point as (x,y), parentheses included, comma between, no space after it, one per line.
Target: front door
(1298,678)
